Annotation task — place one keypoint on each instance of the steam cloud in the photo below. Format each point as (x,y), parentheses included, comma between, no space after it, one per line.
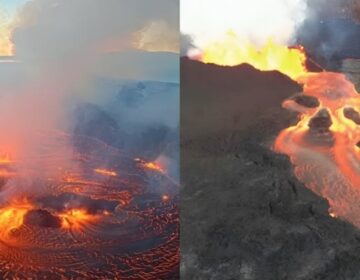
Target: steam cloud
(329,29)
(60,47)
(255,21)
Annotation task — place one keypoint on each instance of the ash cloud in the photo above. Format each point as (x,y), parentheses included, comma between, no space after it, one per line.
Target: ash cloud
(331,31)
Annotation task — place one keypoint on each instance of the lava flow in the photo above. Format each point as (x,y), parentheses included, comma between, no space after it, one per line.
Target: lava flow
(76,218)
(118,222)
(12,217)
(150,165)
(105,172)
(324,145)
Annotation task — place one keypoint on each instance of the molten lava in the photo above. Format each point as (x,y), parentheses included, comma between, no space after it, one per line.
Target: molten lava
(74,219)
(151,165)
(324,146)
(233,50)
(77,218)
(12,217)
(105,172)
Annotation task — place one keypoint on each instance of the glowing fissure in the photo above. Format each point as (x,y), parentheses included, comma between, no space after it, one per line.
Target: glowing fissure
(105,172)
(323,145)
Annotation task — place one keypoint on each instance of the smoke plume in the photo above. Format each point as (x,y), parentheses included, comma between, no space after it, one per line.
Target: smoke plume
(59,46)
(253,21)
(329,30)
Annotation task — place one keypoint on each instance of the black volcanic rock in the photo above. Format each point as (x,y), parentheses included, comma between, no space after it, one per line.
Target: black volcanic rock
(70,200)
(92,121)
(42,218)
(229,98)
(352,114)
(321,122)
(244,215)
(307,101)
(132,95)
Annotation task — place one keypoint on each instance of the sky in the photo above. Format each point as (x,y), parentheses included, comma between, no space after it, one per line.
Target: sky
(8,11)
(11,5)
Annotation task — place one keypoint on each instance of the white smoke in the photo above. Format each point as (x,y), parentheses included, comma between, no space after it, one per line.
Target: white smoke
(207,21)
(61,48)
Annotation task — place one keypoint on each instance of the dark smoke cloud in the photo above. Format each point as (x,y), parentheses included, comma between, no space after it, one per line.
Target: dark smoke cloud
(331,31)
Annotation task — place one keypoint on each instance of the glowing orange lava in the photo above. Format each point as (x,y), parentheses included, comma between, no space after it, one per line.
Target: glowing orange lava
(324,146)
(72,218)
(76,218)
(12,216)
(151,165)
(106,172)
(234,51)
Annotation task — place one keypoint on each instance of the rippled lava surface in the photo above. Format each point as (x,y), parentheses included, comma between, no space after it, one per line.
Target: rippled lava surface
(111,217)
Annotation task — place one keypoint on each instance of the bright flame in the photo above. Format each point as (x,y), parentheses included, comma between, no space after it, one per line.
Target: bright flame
(234,51)
(105,172)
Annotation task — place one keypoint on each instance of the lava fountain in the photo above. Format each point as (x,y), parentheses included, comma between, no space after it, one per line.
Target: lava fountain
(324,144)
(234,50)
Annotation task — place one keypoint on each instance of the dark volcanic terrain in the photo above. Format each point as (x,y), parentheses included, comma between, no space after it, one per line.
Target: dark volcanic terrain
(244,215)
